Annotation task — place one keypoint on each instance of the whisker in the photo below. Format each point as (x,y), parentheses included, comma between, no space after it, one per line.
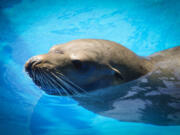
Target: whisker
(78,90)
(42,80)
(53,80)
(52,85)
(71,83)
(68,86)
(56,84)
(48,83)
(60,85)
(73,90)
(33,75)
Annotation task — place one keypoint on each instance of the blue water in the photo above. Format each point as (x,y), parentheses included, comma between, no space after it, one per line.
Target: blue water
(31,27)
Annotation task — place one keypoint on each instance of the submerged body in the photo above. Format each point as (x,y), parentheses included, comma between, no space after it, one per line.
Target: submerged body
(113,80)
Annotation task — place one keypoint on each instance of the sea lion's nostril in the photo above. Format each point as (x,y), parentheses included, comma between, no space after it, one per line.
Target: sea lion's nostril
(31,63)
(28,65)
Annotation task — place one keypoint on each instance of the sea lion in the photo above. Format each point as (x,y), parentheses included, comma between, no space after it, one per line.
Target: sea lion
(111,80)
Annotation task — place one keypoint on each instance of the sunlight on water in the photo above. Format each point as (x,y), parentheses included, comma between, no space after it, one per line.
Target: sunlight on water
(31,27)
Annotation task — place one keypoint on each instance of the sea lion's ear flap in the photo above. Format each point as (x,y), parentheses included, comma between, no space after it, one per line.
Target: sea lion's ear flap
(116,73)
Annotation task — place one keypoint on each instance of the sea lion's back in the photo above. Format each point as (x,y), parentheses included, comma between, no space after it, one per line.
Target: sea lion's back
(167,58)
(171,53)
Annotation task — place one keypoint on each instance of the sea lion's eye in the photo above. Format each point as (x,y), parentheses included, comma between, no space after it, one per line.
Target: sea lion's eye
(77,64)
(59,51)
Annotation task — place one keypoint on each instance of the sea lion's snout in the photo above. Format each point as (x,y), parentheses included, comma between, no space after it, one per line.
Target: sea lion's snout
(31,63)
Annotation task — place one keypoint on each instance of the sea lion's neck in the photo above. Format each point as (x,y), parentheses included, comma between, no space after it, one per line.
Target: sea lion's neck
(146,65)
(137,67)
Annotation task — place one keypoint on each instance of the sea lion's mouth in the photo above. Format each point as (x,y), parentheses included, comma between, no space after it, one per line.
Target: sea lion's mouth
(53,82)
(50,79)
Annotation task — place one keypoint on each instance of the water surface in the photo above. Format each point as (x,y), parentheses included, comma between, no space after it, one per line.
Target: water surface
(31,27)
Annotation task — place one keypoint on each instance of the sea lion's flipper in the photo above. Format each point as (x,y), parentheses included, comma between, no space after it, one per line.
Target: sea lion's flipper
(117,73)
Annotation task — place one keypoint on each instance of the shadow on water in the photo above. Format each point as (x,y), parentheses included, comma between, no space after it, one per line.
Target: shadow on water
(66,117)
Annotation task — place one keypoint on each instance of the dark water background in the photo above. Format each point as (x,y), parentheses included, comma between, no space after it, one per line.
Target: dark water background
(31,27)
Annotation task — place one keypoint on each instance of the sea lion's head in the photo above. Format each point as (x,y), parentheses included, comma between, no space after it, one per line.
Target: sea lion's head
(76,67)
